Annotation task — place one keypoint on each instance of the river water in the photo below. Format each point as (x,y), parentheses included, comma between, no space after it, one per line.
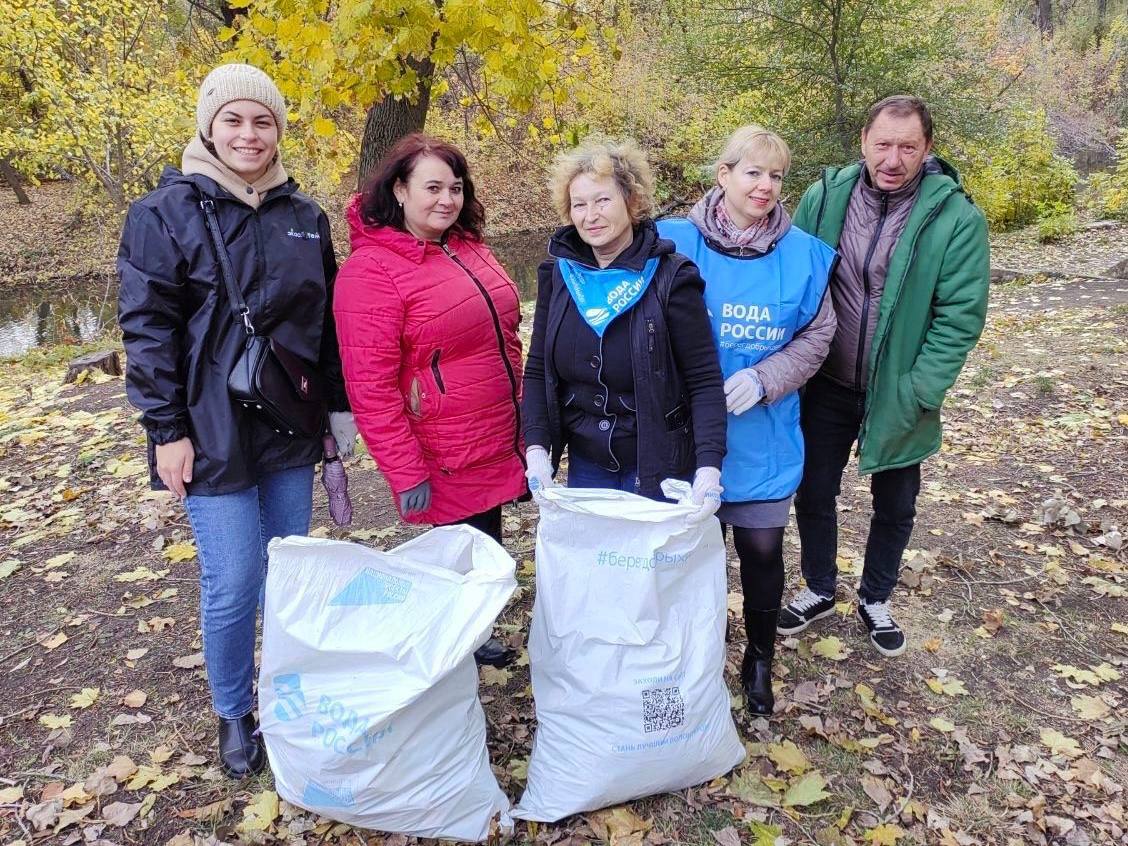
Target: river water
(78,313)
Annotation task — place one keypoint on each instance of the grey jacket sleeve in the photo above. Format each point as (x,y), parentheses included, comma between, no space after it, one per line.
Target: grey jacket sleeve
(789,369)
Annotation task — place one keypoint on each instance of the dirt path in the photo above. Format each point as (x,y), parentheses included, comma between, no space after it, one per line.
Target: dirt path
(1002,723)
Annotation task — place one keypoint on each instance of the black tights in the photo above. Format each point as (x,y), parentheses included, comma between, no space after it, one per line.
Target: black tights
(761,566)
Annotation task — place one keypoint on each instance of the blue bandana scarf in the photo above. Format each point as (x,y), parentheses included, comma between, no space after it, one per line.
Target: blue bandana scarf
(602,295)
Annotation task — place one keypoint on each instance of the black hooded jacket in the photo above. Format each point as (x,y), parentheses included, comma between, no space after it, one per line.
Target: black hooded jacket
(658,360)
(181,341)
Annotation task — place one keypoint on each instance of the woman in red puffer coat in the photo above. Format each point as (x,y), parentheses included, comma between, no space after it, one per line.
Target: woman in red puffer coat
(427,325)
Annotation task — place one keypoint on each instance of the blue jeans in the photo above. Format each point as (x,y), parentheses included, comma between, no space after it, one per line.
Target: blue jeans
(584,473)
(232,531)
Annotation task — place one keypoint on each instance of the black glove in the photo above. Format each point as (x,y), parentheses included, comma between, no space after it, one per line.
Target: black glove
(416,499)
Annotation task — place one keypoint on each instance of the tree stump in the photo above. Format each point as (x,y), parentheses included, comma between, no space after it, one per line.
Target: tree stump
(1118,270)
(105,360)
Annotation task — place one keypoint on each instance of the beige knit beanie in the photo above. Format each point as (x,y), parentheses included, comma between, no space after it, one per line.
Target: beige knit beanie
(237,82)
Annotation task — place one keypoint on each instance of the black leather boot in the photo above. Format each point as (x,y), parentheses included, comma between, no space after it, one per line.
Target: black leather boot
(495,653)
(756,668)
(241,752)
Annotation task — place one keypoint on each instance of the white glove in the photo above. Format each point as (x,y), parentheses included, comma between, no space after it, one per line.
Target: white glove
(539,472)
(705,494)
(343,427)
(743,389)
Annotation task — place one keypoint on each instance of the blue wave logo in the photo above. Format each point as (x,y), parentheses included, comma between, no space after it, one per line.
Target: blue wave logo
(291,700)
(371,587)
(319,796)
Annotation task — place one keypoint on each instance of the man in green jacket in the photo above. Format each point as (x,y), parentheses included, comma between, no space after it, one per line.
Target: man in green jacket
(910,293)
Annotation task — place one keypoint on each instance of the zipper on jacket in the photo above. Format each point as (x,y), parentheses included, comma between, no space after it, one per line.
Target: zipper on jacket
(501,348)
(864,328)
(650,333)
(435,372)
(880,347)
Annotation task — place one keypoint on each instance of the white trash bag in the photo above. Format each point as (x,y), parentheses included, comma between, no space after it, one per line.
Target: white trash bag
(627,653)
(368,693)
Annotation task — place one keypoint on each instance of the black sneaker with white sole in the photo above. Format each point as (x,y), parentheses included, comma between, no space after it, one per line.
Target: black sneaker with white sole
(803,609)
(885,635)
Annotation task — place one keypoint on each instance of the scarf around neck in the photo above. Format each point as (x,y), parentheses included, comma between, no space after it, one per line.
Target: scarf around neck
(199,159)
(710,217)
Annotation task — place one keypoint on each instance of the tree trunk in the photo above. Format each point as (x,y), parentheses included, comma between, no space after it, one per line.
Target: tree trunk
(106,361)
(229,14)
(1102,12)
(1046,18)
(391,119)
(13,180)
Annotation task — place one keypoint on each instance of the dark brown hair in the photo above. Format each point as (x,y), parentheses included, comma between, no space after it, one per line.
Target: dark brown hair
(378,204)
(902,105)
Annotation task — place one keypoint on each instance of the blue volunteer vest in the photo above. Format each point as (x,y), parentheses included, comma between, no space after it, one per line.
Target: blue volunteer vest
(756,306)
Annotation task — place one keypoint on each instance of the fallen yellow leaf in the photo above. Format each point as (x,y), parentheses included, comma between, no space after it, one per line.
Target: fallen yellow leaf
(135,699)
(494,676)
(1059,744)
(885,834)
(55,641)
(830,647)
(1090,707)
(85,698)
(788,757)
(260,812)
(182,551)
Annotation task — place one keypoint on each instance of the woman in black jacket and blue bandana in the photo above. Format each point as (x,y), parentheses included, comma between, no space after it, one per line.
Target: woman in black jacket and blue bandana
(241,482)
(622,371)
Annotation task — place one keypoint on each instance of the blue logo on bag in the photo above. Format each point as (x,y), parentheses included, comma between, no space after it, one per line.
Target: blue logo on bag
(291,700)
(319,796)
(371,587)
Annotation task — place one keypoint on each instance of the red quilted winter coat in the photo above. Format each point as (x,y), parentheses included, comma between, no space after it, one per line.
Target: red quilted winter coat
(432,366)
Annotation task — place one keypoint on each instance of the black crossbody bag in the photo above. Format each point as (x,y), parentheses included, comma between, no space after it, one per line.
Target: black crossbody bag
(278,385)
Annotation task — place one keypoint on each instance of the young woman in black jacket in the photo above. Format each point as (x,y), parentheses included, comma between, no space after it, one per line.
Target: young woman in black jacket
(622,370)
(242,483)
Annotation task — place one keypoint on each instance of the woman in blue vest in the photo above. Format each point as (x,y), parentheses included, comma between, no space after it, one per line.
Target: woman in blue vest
(622,370)
(765,286)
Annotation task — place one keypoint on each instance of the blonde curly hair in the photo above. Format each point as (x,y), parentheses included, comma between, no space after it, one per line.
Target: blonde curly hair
(621,160)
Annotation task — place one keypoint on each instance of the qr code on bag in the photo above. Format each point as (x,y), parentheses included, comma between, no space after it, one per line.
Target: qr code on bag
(662,709)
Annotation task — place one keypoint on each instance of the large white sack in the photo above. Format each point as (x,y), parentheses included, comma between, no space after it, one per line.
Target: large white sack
(627,654)
(368,693)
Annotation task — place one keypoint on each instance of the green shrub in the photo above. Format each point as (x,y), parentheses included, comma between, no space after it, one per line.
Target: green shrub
(1056,224)
(1108,191)
(1019,178)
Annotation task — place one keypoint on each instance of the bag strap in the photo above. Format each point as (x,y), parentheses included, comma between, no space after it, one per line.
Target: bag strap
(664,281)
(239,309)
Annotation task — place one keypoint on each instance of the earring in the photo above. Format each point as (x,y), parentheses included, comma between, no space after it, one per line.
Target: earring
(401,204)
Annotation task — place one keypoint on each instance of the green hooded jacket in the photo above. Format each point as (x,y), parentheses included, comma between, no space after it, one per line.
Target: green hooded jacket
(931,314)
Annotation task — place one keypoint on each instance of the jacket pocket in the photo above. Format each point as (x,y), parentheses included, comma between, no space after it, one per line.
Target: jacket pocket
(426,390)
(679,440)
(909,409)
(436,373)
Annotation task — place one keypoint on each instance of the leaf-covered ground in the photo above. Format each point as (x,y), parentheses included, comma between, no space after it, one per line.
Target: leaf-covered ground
(1003,723)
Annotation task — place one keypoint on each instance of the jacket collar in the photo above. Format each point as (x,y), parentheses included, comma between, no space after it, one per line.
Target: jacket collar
(566,243)
(208,187)
(198,159)
(939,177)
(704,216)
